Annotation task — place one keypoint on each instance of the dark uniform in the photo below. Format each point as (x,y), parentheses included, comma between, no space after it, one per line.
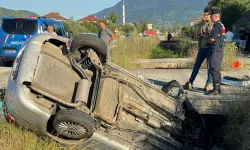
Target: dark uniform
(216,55)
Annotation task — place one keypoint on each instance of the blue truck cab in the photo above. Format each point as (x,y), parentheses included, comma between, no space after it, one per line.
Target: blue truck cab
(15,31)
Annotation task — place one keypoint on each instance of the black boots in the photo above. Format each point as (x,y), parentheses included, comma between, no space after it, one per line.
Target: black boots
(215,91)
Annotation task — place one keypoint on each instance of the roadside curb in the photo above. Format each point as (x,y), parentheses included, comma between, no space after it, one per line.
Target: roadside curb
(176,63)
(179,63)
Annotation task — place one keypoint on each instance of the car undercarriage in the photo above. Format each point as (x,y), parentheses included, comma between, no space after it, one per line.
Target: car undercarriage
(79,98)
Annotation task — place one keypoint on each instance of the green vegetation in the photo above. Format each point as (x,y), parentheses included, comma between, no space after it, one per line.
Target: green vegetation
(143,26)
(75,27)
(237,130)
(158,52)
(126,52)
(13,13)
(160,12)
(229,55)
(186,48)
(14,138)
(113,17)
(229,17)
(128,28)
(88,27)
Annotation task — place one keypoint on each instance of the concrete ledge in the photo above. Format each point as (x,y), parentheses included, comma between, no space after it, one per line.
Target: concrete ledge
(177,63)
(165,63)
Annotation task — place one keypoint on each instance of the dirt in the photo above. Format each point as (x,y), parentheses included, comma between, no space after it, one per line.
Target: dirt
(4,75)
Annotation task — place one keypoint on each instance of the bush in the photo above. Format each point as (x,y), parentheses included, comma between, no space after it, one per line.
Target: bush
(91,26)
(186,47)
(230,55)
(158,52)
(75,27)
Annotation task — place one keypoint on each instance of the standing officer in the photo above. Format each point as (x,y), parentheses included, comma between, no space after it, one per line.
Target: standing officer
(216,39)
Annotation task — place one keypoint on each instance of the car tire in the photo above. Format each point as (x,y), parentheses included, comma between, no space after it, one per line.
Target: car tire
(73,124)
(90,41)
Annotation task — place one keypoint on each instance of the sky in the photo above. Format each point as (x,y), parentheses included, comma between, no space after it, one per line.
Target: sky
(67,8)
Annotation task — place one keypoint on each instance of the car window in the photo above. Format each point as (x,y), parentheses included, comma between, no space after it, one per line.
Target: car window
(28,26)
(56,26)
(63,30)
(19,26)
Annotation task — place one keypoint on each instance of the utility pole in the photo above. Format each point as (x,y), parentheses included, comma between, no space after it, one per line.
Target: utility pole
(123,13)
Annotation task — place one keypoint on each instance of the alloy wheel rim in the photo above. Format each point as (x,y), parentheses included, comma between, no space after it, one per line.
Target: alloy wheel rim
(72,128)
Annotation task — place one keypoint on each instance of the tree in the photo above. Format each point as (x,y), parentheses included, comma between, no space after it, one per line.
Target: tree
(24,15)
(14,14)
(143,25)
(154,27)
(75,27)
(135,24)
(128,28)
(113,16)
(19,14)
(231,10)
(91,26)
(177,27)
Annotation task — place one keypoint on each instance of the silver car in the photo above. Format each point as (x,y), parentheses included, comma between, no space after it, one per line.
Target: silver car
(79,98)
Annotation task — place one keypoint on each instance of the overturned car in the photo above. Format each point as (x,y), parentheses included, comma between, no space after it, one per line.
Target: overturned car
(79,98)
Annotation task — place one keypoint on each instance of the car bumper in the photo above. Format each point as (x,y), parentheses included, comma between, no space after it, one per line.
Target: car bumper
(24,111)
(7,58)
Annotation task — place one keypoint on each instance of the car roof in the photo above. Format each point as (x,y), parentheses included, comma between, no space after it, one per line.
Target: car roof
(32,18)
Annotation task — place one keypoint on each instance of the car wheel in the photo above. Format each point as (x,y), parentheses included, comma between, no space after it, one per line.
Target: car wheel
(73,124)
(90,41)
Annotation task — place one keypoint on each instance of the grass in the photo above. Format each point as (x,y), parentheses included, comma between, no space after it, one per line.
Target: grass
(230,55)
(14,138)
(230,51)
(126,52)
(237,130)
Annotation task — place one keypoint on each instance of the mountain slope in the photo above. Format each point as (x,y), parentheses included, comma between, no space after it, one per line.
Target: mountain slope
(9,12)
(158,11)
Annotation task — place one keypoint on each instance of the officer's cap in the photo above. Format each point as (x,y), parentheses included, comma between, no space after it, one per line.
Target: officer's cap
(216,11)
